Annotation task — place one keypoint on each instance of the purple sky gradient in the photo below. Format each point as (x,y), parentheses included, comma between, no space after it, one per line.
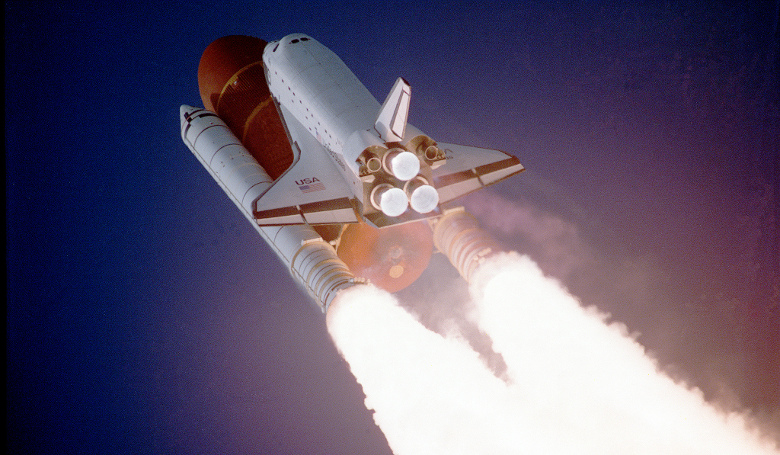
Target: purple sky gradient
(146,316)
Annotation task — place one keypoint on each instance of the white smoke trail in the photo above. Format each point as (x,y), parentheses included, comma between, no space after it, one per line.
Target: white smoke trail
(430,394)
(591,378)
(576,384)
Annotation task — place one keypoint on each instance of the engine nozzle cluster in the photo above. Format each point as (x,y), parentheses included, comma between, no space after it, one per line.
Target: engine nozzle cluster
(393,201)
(399,179)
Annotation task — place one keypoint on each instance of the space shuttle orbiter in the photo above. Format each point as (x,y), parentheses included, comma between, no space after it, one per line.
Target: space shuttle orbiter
(301,146)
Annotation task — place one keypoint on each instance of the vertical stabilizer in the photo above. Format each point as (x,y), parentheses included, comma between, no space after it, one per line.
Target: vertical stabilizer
(391,121)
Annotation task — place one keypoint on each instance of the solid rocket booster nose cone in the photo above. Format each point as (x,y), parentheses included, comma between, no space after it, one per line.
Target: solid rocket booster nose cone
(184,113)
(393,202)
(424,199)
(405,165)
(185,110)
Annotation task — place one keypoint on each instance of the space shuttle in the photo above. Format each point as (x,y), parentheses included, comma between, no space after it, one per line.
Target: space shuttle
(317,164)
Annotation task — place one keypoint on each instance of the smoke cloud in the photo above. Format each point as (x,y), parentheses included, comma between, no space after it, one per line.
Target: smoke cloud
(573,382)
(714,325)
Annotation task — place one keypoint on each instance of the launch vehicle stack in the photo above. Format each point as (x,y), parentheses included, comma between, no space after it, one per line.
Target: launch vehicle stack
(326,175)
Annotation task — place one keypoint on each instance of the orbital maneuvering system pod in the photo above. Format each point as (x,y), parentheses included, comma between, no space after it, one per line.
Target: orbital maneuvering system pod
(343,189)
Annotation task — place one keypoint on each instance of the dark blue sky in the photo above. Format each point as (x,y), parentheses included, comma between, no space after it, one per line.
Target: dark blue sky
(146,316)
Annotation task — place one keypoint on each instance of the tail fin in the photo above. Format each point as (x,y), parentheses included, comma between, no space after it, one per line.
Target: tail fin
(391,121)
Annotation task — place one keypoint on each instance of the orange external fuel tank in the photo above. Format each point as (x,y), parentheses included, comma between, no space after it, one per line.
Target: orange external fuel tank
(232,84)
(392,258)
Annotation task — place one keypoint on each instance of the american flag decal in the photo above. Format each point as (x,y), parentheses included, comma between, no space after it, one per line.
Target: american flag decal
(316,186)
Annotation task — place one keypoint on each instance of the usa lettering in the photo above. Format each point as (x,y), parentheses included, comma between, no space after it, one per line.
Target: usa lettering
(307,181)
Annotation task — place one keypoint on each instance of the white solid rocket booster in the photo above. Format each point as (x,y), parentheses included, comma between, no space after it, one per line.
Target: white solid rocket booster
(312,262)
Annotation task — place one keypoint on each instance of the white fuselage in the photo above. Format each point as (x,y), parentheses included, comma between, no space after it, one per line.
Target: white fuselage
(318,95)
(320,91)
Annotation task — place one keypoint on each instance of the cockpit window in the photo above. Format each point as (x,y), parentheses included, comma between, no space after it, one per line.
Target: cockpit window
(294,41)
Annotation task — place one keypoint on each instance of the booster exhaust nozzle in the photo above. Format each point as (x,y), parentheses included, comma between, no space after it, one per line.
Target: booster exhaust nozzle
(457,234)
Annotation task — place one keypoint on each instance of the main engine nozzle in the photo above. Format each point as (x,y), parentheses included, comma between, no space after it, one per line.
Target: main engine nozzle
(402,164)
(390,200)
(422,197)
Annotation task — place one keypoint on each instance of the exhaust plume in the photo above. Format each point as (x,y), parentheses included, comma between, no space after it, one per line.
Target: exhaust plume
(573,383)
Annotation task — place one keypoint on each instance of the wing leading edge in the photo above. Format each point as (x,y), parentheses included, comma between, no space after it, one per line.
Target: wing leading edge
(468,169)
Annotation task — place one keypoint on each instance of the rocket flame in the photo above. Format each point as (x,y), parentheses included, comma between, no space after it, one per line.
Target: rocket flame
(575,384)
